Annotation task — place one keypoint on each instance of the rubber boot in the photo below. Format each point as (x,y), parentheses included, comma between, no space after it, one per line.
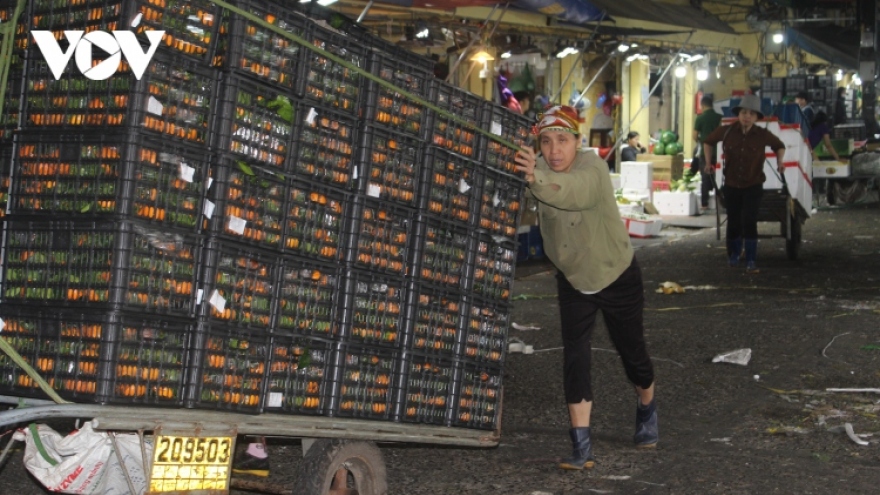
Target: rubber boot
(647,433)
(582,450)
(734,248)
(751,256)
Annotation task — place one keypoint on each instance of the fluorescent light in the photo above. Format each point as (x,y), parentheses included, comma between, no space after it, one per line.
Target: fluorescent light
(856,80)
(681,71)
(423,33)
(506,54)
(566,52)
(694,58)
(702,74)
(325,3)
(778,38)
(838,76)
(622,48)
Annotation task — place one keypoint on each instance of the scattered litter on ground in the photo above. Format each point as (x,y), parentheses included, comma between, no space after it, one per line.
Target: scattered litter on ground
(649,483)
(516,345)
(786,430)
(517,326)
(614,477)
(679,308)
(832,341)
(541,493)
(852,435)
(757,378)
(700,287)
(670,288)
(525,297)
(870,347)
(855,390)
(599,491)
(720,440)
(739,356)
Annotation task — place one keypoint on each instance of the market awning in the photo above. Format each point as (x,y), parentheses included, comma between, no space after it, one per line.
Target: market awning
(673,14)
(835,44)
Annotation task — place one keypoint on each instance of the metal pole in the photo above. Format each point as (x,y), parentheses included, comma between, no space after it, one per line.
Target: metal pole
(364,12)
(592,81)
(467,48)
(645,103)
(574,66)
(471,69)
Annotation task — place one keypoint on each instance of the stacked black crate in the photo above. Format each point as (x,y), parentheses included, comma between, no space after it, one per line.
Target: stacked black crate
(104,239)
(773,88)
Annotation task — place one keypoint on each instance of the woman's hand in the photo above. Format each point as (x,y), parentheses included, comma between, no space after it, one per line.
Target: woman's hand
(526,160)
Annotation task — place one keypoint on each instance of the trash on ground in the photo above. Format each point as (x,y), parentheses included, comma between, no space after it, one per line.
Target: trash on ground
(855,390)
(614,477)
(739,356)
(786,430)
(517,326)
(720,440)
(516,346)
(670,288)
(852,435)
(525,297)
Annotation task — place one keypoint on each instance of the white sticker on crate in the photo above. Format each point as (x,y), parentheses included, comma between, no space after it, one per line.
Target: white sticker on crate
(275,399)
(186,172)
(199,294)
(496,128)
(217,301)
(312,115)
(154,106)
(137,20)
(208,183)
(236,224)
(374,190)
(209,209)
(2,324)
(463,186)
(496,200)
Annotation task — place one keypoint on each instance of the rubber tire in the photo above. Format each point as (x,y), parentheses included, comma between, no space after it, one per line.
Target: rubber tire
(792,246)
(363,460)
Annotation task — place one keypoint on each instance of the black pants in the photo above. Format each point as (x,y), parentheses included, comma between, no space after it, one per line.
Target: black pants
(621,304)
(742,211)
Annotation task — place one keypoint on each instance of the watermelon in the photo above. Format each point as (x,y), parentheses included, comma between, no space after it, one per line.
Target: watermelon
(667,137)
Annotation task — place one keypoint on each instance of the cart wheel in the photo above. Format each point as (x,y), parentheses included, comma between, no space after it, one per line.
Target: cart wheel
(342,467)
(792,246)
(829,192)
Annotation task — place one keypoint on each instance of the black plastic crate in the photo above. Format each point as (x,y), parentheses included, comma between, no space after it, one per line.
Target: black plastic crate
(247,204)
(450,134)
(329,83)
(299,375)
(228,368)
(434,320)
(100,265)
(476,401)
(255,121)
(390,166)
(380,236)
(238,285)
(441,253)
(501,197)
(855,132)
(262,53)
(174,99)
(106,15)
(325,143)
(426,389)
(510,126)
(448,186)
(776,84)
(149,361)
(374,309)
(315,221)
(10,115)
(494,263)
(68,350)
(363,381)
(308,298)
(5,169)
(129,176)
(391,109)
(794,84)
(485,331)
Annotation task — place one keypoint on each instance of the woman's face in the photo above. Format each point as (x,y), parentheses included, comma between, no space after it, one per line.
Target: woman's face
(747,117)
(633,141)
(559,149)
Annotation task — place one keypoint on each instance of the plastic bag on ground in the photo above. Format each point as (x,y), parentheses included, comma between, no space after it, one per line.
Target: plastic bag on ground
(739,356)
(84,462)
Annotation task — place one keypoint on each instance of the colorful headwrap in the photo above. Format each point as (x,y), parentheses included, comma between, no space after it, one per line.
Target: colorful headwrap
(558,118)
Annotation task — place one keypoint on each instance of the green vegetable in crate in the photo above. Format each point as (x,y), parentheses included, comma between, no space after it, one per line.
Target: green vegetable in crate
(660,148)
(667,137)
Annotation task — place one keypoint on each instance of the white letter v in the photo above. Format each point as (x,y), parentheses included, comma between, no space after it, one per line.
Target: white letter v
(51,50)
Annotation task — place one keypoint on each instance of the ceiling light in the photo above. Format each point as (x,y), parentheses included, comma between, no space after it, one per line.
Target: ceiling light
(838,76)
(566,52)
(423,33)
(778,38)
(506,54)
(681,71)
(702,74)
(325,3)
(695,57)
(623,47)
(856,80)
(481,56)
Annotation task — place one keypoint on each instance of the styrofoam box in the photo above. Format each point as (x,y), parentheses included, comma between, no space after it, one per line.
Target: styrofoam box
(636,195)
(636,175)
(643,228)
(831,169)
(630,209)
(615,181)
(676,203)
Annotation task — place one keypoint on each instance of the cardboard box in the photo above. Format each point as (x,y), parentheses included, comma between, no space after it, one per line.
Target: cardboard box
(643,228)
(823,170)
(676,203)
(636,175)
(666,167)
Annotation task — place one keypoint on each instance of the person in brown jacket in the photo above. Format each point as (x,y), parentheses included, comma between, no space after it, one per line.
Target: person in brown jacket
(743,153)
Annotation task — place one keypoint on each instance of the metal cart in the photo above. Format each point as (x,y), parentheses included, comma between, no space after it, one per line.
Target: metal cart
(776,206)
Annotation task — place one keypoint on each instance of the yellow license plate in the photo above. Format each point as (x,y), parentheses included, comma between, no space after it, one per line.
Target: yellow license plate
(191,463)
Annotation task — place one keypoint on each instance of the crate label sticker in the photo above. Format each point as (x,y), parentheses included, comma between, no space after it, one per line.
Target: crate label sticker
(136,21)
(208,183)
(355,173)
(2,324)
(217,301)
(463,186)
(495,199)
(374,190)
(154,106)
(186,172)
(275,399)
(236,224)
(199,294)
(209,209)
(312,115)
(496,128)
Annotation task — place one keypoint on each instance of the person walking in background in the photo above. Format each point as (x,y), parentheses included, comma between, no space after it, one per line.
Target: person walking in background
(632,148)
(821,133)
(803,101)
(706,122)
(598,271)
(840,107)
(743,147)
